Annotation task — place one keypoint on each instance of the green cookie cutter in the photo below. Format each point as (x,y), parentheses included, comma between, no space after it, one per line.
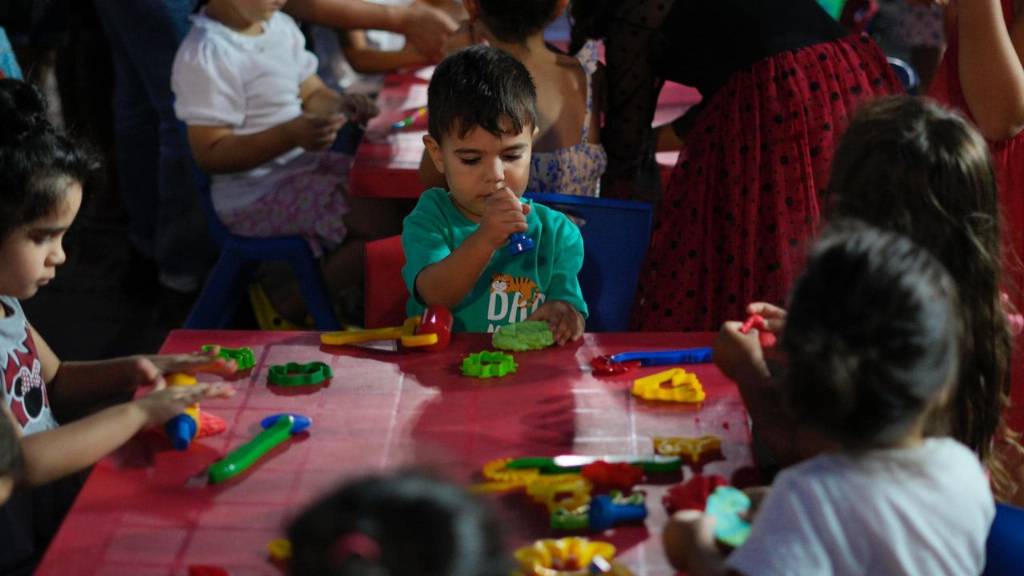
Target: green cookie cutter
(488,365)
(531,335)
(295,374)
(243,357)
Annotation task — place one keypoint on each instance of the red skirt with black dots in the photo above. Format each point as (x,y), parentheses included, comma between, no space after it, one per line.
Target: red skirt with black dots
(743,200)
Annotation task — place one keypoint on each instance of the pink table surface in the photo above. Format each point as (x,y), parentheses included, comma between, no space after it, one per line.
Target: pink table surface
(148,509)
(388,160)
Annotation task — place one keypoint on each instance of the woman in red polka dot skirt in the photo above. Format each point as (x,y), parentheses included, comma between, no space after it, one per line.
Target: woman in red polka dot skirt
(780,81)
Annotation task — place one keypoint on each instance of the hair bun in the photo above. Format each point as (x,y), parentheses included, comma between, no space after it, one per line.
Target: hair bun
(22,111)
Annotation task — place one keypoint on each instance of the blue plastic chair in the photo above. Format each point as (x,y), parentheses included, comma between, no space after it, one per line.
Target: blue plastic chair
(225,285)
(1005,546)
(616,234)
(907,75)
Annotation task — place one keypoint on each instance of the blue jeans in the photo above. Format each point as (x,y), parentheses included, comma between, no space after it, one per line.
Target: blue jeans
(154,162)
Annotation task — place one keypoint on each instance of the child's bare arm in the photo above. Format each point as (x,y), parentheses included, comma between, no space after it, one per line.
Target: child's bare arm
(990,68)
(218,150)
(367,60)
(448,281)
(425,27)
(76,388)
(67,449)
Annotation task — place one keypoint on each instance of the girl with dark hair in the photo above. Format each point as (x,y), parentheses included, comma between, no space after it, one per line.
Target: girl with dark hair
(779,81)
(42,173)
(910,166)
(401,524)
(872,343)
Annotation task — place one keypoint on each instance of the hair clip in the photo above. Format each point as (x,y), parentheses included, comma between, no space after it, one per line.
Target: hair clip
(355,544)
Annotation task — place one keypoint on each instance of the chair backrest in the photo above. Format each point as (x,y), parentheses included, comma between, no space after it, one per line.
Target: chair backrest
(616,234)
(385,294)
(1004,549)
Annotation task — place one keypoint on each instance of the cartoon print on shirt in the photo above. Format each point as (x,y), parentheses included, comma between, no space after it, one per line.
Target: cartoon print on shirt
(23,383)
(511,300)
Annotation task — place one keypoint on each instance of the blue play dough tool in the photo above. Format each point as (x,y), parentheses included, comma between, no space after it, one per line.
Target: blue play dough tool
(299,422)
(605,513)
(665,358)
(726,504)
(519,243)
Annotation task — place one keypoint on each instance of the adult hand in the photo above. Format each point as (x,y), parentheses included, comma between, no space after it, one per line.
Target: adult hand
(427,28)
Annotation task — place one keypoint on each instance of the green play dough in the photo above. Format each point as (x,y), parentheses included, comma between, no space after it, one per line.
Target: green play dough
(531,335)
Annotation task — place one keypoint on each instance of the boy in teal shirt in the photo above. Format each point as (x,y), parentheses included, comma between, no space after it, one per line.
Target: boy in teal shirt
(482,120)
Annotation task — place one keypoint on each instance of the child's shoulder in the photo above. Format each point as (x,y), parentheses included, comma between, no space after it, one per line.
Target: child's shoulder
(434,207)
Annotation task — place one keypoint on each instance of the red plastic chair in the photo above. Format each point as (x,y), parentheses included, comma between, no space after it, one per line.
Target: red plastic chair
(385,298)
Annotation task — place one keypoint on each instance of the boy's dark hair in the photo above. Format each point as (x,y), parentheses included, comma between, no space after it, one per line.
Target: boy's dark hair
(419,526)
(480,86)
(514,22)
(908,165)
(37,163)
(11,459)
(871,336)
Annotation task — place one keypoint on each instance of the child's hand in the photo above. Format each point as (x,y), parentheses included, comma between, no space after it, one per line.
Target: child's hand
(149,370)
(689,540)
(565,321)
(739,356)
(774,317)
(757,494)
(315,133)
(160,406)
(359,108)
(503,215)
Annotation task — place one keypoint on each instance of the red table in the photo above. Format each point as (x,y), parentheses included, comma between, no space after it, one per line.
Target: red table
(388,160)
(148,509)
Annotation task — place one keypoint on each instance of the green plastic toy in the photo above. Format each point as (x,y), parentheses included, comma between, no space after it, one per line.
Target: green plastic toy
(295,374)
(488,365)
(276,429)
(243,357)
(531,335)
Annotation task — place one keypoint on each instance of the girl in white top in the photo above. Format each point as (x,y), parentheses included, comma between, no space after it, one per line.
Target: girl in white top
(261,121)
(871,339)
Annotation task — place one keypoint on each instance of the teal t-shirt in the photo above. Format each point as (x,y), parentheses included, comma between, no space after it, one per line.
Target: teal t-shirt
(513,285)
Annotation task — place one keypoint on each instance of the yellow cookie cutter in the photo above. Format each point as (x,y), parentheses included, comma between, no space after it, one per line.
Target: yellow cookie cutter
(685,387)
(496,472)
(568,491)
(406,333)
(562,557)
(681,446)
